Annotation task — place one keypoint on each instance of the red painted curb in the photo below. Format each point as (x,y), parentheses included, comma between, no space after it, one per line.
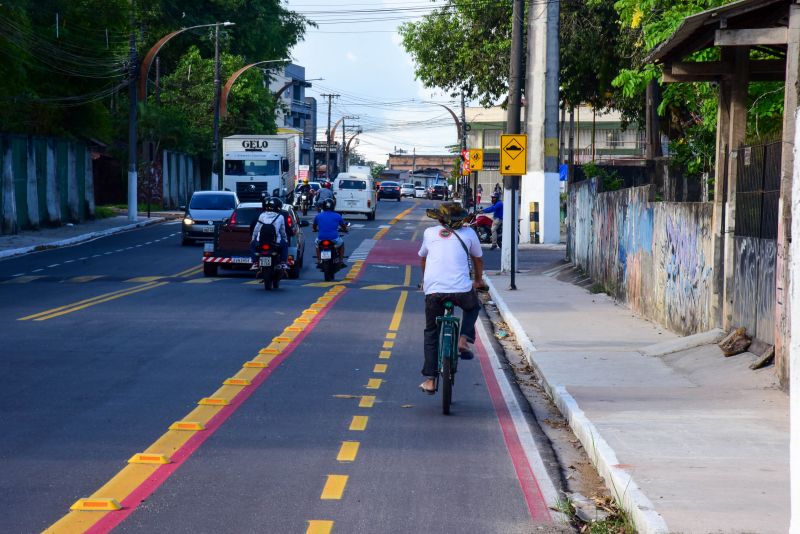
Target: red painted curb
(527,480)
(144,490)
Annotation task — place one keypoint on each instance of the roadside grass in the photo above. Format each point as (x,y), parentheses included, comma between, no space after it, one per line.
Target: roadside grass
(617,522)
(104,212)
(117,209)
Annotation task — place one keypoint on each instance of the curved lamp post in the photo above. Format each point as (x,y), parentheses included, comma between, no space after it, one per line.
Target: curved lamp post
(151,54)
(223,103)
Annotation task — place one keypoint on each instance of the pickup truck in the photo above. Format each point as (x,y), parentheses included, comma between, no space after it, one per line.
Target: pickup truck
(230,248)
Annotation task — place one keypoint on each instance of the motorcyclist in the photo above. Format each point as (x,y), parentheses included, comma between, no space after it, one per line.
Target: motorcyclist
(496,209)
(305,188)
(324,194)
(272,215)
(328,223)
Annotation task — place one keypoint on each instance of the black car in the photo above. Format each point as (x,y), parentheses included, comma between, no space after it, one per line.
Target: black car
(438,192)
(389,190)
(231,247)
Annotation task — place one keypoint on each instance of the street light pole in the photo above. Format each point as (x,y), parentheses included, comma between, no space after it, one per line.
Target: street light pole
(133,179)
(216,183)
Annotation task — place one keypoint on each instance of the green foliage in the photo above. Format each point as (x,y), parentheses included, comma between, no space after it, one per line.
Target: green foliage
(610,179)
(74,84)
(377,169)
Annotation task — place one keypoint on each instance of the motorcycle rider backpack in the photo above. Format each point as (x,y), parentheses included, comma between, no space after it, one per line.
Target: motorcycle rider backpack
(268,234)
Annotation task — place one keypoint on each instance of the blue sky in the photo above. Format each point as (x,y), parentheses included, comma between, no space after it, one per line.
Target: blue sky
(363,60)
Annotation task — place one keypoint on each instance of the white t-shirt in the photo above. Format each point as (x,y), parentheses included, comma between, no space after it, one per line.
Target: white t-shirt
(447,264)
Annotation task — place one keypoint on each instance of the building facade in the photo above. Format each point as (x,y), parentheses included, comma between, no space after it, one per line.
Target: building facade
(296,113)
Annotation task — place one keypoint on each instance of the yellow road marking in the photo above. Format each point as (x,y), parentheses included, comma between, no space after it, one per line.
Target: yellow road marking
(359,422)
(144,279)
(385,355)
(401,215)
(374,383)
(81,304)
(22,279)
(379,368)
(319,527)
(398,313)
(84,279)
(188,272)
(323,284)
(388,344)
(391,335)
(380,287)
(407,277)
(334,487)
(201,281)
(96,504)
(348,451)
(367,401)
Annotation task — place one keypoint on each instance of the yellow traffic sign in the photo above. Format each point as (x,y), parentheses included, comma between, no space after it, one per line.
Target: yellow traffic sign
(513,154)
(475,159)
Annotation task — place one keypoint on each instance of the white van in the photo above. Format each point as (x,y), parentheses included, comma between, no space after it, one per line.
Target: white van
(355,193)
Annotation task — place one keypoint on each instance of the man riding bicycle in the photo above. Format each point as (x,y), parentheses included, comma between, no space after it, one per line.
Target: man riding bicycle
(446,252)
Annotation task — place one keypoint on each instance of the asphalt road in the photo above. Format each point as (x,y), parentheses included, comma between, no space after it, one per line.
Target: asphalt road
(105,345)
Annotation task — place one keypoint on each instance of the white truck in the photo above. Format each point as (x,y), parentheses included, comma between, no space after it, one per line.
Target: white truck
(257,164)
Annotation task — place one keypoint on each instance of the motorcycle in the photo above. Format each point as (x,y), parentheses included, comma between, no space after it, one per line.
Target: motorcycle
(330,258)
(305,203)
(270,271)
(483,227)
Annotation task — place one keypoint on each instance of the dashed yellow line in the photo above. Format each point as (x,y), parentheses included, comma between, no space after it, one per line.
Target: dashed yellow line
(319,527)
(394,326)
(348,451)
(334,487)
(367,401)
(384,354)
(379,368)
(407,277)
(359,422)
(374,383)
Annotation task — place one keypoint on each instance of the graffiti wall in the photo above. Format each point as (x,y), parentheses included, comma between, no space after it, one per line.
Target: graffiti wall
(654,256)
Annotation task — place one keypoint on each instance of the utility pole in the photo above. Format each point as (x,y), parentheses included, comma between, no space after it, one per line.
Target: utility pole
(508,257)
(133,179)
(216,181)
(464,199)
(330,98)
(414,161)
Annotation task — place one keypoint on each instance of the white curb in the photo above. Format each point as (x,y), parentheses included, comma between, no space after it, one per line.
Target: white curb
(619,482)
(78,239)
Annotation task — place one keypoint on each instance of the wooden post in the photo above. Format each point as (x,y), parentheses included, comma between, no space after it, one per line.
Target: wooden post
(737,127)
(782,265)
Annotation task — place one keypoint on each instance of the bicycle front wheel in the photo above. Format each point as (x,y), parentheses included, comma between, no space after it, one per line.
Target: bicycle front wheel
(447,385)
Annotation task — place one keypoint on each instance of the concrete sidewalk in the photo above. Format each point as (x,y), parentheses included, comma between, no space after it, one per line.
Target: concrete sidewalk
(71,234)
(688,441)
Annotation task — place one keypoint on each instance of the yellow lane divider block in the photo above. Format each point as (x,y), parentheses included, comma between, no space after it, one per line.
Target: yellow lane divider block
(385,354)
(269,351)
(317,306)
(359,422)
(143,458)
(388,344)
(367,401)
(144,279)
(325,299)
(310,312)
(187,425)
(318,526)
(237,382)
(348,451)
(374,383)
(293,329)
(282,339)
(213,401)
(379,368)
(391,335)
(97,505)
(254,364)
(334,487)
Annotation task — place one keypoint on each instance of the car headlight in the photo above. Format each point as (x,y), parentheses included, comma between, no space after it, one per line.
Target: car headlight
(188,220)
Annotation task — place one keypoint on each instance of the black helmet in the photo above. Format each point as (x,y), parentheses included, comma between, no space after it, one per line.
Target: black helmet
(327,204)
(273,204)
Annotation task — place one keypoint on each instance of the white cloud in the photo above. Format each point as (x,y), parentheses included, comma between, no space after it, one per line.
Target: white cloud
(351,57)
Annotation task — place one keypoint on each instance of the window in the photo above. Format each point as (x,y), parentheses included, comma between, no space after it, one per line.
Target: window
(491,138)
(247,216)
(212,202)
(252,167)
(353,184)
(613,138)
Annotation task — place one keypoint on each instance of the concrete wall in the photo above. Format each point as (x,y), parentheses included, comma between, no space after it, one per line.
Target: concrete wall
(180,175)
(654,256)
(43,182)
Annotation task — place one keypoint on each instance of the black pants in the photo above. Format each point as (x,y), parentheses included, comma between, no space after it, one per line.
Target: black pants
(434,307)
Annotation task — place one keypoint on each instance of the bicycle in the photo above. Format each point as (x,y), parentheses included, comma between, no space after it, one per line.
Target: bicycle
(449,329)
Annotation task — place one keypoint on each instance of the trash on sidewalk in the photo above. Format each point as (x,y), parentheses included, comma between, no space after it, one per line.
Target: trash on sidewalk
(586,509)
(501,334)
(764,360)
(735,343)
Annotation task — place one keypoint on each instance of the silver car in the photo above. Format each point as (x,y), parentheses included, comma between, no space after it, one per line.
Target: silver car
(205,212)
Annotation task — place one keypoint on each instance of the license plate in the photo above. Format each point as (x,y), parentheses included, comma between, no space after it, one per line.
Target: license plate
(240,259)
(208,229)
(265,261)
(325,254)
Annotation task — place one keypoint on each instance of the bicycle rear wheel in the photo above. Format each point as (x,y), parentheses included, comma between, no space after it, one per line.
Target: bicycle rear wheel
(447,385)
